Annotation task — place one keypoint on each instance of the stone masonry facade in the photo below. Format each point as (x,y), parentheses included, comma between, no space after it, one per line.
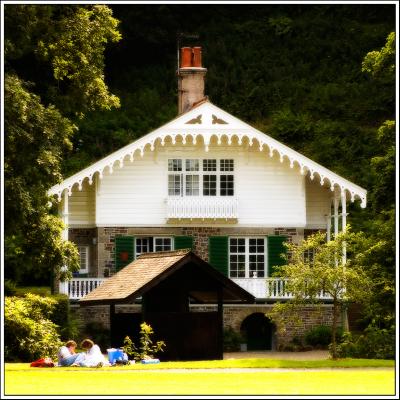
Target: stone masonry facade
(234,315)
(102,254)
(101,241)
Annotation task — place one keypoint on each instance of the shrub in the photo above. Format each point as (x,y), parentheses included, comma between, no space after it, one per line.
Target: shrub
(146,348)
(98,333)
(232,340)
(321,335)
(373,343)
(29,332)
(62,316)
(10,288)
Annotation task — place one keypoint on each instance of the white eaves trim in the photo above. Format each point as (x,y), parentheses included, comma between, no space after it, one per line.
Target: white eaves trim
(207,121)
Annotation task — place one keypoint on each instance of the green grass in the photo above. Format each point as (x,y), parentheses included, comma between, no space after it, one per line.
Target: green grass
(107,381)
(245,363)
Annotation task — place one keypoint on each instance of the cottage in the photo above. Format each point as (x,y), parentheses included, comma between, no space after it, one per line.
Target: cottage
(210,182)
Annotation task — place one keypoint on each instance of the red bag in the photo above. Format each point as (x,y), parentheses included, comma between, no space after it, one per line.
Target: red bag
(43,362)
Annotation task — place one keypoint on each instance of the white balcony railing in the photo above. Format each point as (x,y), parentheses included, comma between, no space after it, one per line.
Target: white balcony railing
(202,207)
(270,288)
(77,288)
(261,288)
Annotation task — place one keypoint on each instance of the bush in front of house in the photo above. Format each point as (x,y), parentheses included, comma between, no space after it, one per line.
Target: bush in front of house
(98,333)
(29,333)
(232,339)
(69,327)
(372,343)
(146,349)
(321,336)
(295,344)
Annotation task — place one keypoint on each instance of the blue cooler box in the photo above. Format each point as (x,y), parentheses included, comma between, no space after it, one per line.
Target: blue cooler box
(114,355)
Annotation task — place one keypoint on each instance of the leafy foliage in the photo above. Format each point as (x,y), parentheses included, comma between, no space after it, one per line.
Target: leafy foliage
(320,336)
(232,339)
(325,272)
(98,333)
(146,347)
(54,65)
(29,331)
(373,343)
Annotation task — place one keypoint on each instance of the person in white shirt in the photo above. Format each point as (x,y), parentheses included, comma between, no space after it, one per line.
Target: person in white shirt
(66,354)
(93,356)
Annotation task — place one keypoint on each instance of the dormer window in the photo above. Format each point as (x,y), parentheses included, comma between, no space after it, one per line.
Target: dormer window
(194,177)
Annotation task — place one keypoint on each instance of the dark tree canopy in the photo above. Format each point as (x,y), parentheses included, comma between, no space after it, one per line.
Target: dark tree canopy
(303,74)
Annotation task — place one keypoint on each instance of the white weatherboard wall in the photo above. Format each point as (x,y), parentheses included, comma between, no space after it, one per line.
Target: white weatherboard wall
(82,206)
(270,193)
(318,200)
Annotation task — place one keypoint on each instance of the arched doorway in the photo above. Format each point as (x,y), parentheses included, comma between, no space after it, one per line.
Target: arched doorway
(259,332)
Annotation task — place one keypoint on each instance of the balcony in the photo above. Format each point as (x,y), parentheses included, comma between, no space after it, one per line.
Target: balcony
(269,288)
(202,207)
(261,288)
(77,288)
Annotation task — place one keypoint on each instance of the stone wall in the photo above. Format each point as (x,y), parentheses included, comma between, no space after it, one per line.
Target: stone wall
(233,317)
(105,249)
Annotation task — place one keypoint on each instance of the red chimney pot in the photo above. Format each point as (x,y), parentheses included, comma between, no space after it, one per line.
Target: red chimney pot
(186,57)
(196,57)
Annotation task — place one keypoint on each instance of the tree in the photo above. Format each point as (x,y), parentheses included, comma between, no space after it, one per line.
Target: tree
(54,65)
(381,232)
(323,272)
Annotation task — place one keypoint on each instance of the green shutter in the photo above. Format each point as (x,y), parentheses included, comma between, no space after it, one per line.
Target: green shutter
(275,249)
(183,242)
(124,251)
(218,253)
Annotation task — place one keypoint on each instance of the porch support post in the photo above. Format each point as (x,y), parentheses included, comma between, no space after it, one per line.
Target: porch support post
(329,224)
(221,318)
(345,319)
(344,221)
(112,313)
(336,214)
(65,217)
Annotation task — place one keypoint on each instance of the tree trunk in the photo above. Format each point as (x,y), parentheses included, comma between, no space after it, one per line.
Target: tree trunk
(334,323)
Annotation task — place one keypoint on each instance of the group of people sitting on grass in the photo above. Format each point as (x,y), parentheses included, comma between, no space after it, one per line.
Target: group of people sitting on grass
(91,357)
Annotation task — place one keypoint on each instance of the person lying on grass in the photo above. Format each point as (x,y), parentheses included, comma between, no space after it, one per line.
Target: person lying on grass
(93,356)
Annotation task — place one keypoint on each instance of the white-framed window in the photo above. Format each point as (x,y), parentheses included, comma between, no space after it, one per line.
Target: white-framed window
(247,257)
(162,243)
(84,259)
(152,243)
(196,177)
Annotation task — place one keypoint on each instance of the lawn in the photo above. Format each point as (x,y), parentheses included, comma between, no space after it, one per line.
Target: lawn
(135,380)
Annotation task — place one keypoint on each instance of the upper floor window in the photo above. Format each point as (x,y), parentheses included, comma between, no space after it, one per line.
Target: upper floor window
(188,178)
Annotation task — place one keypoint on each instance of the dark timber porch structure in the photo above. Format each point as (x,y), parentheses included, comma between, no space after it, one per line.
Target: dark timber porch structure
(167,283)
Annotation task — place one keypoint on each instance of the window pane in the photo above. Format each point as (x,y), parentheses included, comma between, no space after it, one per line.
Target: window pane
(142,245)
(226,165)
(162,244)
(209,185)
(83,257)
(174,185)
(237,258)
(174,165)
(209,165)
(226,185)
(192,185)
(192,165)
(256,258)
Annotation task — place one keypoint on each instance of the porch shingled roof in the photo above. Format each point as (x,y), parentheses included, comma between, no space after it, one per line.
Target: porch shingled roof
(143,273)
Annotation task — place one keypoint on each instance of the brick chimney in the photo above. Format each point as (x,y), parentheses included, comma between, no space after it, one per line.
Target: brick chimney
(191,78)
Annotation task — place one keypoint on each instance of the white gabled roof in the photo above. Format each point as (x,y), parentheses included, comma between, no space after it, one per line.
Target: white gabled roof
(206,121)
